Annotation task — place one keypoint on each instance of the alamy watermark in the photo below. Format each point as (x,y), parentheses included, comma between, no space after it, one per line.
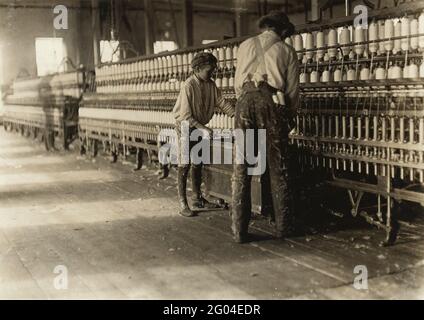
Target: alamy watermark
(194,146)
(61,20)
(360,282)
(60,282)
(361,20)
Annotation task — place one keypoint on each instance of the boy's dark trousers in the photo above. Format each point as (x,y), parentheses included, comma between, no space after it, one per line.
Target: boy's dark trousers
(255,109)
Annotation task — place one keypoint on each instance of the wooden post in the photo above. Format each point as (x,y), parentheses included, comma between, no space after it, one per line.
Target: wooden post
(315,12)
(95,19)
(306,8)
(241,18)
(265,7)
(187,16)
(174,21)
(148,27)
(312,10)
(348,7)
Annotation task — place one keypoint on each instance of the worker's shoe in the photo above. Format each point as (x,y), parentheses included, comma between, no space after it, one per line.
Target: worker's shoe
(241,238)
(186,212)
(202,203)
(288,232)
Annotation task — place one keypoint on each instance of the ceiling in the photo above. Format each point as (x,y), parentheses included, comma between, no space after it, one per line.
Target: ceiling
(253,6)
(230,5)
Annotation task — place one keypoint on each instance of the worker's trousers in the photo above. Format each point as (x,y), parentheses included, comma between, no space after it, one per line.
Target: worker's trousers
(255,109)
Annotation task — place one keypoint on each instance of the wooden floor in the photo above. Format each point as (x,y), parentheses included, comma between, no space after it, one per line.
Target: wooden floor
(119,236)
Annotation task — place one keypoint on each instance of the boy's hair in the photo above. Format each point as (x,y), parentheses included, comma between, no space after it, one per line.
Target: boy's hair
(202,59)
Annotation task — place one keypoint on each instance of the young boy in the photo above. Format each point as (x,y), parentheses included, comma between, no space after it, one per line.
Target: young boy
(197,102)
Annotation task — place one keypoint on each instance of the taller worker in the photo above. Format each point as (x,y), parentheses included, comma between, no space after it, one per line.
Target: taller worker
(266,66)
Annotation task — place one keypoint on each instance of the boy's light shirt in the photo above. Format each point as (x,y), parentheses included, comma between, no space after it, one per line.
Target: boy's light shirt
(198,101)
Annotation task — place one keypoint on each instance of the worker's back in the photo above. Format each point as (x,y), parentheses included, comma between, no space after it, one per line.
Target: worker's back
(279,64)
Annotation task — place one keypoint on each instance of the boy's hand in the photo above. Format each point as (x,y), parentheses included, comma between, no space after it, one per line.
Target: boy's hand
(209,133)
